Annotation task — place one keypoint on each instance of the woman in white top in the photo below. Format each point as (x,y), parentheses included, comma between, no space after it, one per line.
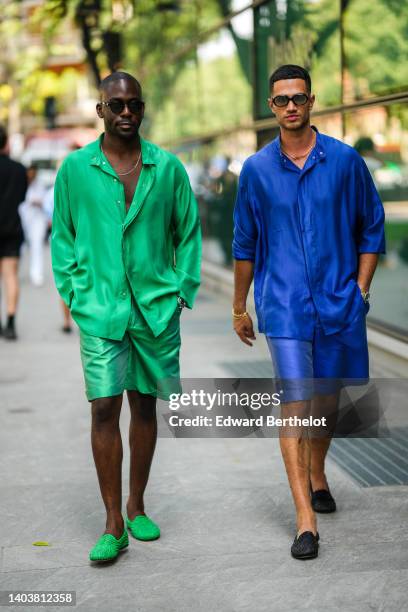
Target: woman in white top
(35,222)
(49,210)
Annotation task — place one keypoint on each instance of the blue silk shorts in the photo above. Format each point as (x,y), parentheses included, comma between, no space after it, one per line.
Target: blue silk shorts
(324,364)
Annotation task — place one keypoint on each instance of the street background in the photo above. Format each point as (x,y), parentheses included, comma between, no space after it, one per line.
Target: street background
(223,505)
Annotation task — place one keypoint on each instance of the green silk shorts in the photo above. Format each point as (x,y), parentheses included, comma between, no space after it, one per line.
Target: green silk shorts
(138,362)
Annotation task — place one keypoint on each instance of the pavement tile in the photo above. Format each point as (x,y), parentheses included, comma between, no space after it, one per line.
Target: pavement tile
(223,505)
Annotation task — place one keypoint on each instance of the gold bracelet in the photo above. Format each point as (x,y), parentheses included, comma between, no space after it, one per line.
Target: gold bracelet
(239,316)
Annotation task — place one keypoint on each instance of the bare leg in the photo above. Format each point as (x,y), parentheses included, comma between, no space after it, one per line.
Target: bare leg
(317,475)
(323,405)
(142,442)
(9,270)
(296,453)
(108,453)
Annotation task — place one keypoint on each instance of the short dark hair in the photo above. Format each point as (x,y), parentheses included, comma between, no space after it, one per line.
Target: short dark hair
(3,137)
(290,71)
(118,76)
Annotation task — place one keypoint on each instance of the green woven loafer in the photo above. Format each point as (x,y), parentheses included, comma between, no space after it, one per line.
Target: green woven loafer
(143,528)
(108,547)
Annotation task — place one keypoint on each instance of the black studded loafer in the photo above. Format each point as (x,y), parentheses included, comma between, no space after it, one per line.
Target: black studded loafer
(323,501)
(305,546)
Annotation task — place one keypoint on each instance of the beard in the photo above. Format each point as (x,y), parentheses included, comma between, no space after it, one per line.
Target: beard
(124,134)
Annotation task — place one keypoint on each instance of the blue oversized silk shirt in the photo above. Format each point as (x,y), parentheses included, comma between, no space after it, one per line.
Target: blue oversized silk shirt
(304,230)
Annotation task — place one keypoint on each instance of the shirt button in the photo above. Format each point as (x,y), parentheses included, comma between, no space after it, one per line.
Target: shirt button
(118,201)
(103,163)
(123,294)
(116,180)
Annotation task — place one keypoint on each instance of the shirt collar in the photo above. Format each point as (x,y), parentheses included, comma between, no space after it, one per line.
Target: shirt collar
(148,157)
(319,149)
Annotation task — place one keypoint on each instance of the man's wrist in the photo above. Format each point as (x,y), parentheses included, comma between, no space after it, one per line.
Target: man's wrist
(181,302)
(363,285)
(239,315)
(239,308)
(364,290)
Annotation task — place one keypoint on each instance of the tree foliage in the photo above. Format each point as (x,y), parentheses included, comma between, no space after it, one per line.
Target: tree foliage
(147,38)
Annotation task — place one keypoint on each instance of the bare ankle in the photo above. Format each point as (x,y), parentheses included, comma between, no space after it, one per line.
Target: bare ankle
(133,508)
(306,521)
(318,480)
(114,524)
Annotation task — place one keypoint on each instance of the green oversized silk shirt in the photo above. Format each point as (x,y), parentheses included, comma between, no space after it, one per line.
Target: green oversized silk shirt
(102,255)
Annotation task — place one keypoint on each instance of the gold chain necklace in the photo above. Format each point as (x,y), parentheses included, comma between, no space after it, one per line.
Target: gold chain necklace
(295,157)
(129,171)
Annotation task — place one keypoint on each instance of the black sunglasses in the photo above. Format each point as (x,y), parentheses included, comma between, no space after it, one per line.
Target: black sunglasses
(117,106)
(299,99)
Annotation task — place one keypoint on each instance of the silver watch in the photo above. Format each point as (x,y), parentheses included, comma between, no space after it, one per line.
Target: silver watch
(181,303)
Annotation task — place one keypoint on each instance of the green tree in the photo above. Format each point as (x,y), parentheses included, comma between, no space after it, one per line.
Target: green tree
(376,45)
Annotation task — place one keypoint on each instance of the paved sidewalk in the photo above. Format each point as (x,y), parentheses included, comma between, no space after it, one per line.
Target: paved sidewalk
(223,504)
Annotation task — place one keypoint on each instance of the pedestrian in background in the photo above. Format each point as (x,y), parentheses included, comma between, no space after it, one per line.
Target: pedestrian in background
(13,186)
(35,222)
(49,210)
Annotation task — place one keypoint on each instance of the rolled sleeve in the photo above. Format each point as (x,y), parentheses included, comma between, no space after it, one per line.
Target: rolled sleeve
(371,237)
(245,231)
